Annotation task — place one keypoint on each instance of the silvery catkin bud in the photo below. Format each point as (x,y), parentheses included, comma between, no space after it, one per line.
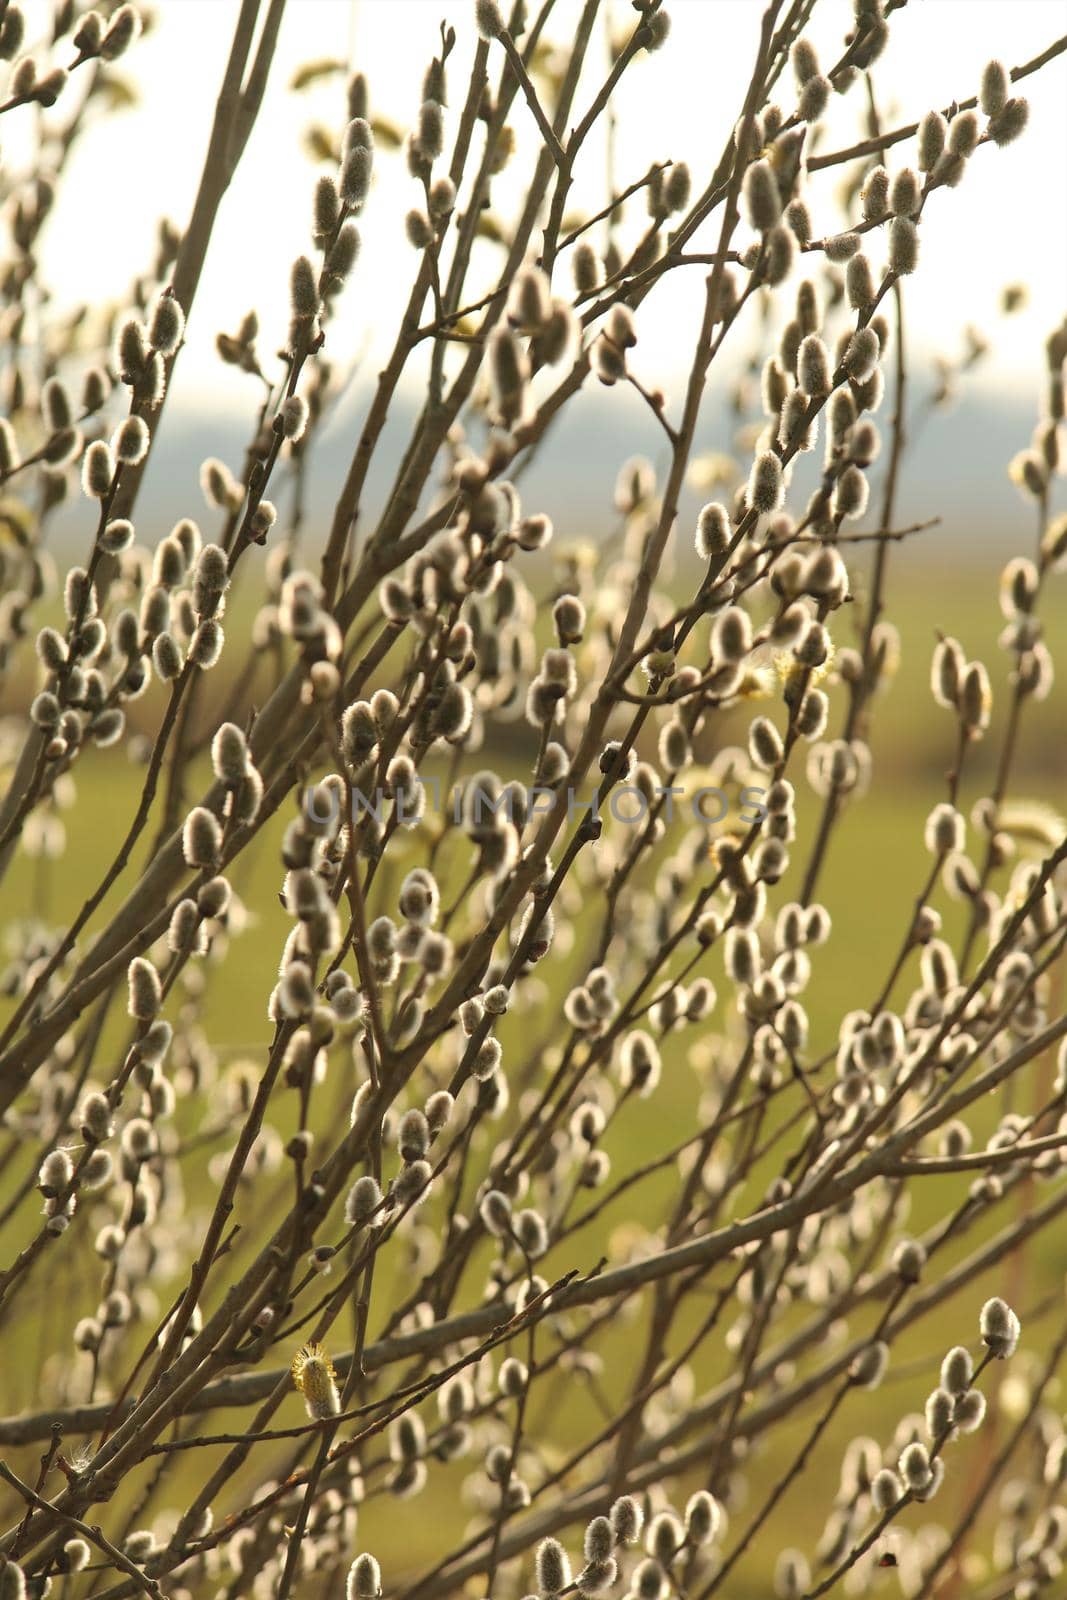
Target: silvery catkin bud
(98,469)
(585,268)
(56,1172)
(509,372)
(905,196)
(345,251)
(568,614)
(963,134)
(993,90)
(12,1581)
(303,289)
(933,131)
(167,657)
(969,1411)
(765,483)
(957,1370)
(869,1367)
(364,1197)
(702,1517)
(939,1414)
(975,698)
(294,416)
(843,247)
(357,163)
(859,283)
(909,1258)
(999,1327)
(55,406)
(166,325)
(229,755)
(915,1466)
(886,1490)
(117,536)
(599,1539)
(814,98)
(851,493)
(552,1567)
(799,219)
(488,19)
(903,246)
(201,838)
(430,133)
(762,200)
(712,531)
(364,1581)
(875,195)
(813,367)
(1008,124)
(764,743)
(861,355)
(495,1212)
(123,29)
(627,1519)
(145,989)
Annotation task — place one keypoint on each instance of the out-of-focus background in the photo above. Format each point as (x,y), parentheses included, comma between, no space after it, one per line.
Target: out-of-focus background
(1004,228)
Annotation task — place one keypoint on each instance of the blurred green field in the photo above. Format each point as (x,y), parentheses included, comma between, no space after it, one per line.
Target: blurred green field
(875,869)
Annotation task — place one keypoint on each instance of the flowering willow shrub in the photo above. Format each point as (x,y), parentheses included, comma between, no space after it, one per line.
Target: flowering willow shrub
(484,1010)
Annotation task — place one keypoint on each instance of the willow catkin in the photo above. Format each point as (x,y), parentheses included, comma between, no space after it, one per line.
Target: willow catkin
(762,201)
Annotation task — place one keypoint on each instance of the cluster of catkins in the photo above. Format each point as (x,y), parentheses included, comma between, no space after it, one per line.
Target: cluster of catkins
(554,1174)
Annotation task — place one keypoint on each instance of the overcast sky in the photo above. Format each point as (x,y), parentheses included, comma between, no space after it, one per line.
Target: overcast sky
(1006,222)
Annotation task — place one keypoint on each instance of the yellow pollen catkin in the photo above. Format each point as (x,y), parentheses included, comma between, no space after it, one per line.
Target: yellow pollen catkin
(314,1375)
